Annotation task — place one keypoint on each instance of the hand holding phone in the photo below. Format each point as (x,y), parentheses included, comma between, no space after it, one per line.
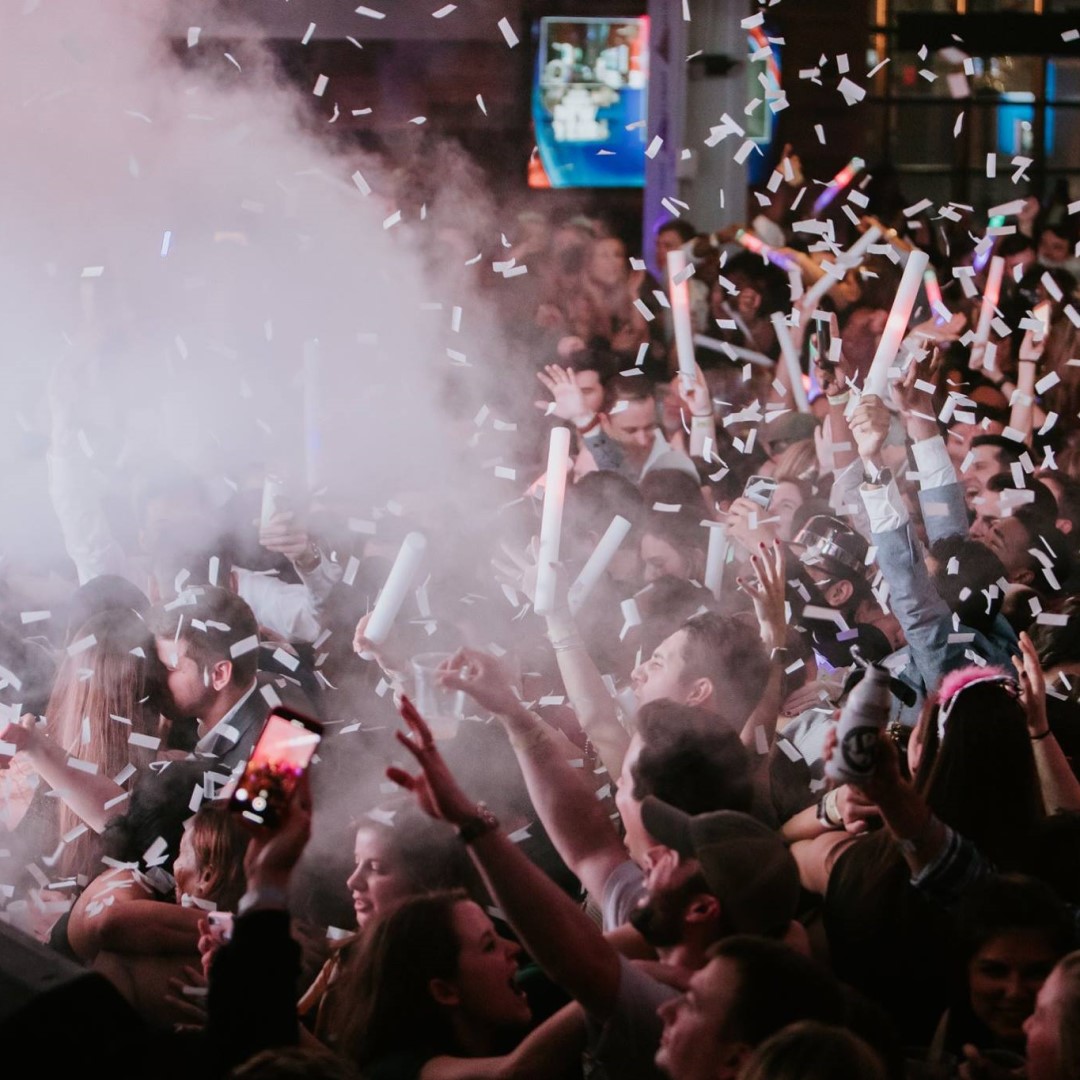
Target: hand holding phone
(760,489)
(279,759)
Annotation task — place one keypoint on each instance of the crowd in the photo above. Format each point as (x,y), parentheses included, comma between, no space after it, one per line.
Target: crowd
(623,855)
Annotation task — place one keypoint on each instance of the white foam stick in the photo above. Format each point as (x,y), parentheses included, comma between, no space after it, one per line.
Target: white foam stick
(312,414)
(791,360)
(679,292)
(991,294)
(714,559)
(551,520)
(877,378)
(402,575)
(848,259)
(597,562)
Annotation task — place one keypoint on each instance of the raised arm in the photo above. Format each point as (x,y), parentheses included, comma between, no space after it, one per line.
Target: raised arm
(568,808)
(95,798)
(1058,784)
(562,939)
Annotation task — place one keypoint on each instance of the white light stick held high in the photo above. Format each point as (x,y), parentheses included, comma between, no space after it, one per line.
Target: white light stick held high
(714,559)
(551,520)
(597,562)
(848,260)
(991,294)
(679,293)
(877,378)
(402,575)
(791,360)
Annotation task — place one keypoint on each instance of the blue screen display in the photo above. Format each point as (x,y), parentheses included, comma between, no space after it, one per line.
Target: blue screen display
(589,100)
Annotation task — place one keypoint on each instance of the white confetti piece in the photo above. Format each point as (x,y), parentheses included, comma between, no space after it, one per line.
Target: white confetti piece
(480,102)
(286,659)
(81,645)
(418,120)
(654,147)
(92,271)
(1070,35)
(444,11)
(308,34)
(370,13)
(320,85)
(166,243)
(240,648)
(851,92)
(508,32)
(34,616)
(353,41)
(193,36)
(392,220)
(148,742)
(232,60)
(991,166)
(351,568)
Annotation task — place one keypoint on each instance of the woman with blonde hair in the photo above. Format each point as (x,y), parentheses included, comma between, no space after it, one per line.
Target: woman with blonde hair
(100,728)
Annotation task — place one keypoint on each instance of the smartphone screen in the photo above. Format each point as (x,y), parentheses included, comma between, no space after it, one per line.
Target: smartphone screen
(279,758)
(760,489)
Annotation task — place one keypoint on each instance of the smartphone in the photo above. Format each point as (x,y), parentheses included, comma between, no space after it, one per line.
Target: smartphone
(274,498)
(760,489)
(281,755)
(825,340)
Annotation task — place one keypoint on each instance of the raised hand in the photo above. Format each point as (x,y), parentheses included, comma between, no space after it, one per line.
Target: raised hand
(286,535)
(434,786)
(563,387)
(869,424)
(1032,686)
(274,852)
(696,394)
(482,677)
(768,590)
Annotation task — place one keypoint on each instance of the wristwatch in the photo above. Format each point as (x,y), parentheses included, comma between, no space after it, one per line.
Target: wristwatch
(882,477)
(310,559)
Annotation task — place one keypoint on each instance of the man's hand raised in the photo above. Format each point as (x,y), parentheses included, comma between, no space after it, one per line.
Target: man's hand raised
(869,425)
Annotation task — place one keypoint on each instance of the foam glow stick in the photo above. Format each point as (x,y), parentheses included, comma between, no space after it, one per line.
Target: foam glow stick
(848,259)
(838,183)
(714,559)
(991,294)
(791,360)
(933,294)
(878,376)
(551,520)
(597,563)
(402,575)
(766,251)
(679,293)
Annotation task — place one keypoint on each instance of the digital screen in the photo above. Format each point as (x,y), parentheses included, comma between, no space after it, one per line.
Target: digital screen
(284,750)
(589,103)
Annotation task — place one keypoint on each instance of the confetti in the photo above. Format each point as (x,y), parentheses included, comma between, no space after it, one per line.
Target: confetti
(370,13)
(444,11)
(320,85)
(508,32)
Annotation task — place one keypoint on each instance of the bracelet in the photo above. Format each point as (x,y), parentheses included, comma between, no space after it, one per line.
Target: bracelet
(782,654)
(702,418)
(480,824)
(840,399)
(569,644)
(827,812)
(1039,738)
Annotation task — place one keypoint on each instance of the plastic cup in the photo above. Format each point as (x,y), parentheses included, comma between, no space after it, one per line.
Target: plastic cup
(442,709)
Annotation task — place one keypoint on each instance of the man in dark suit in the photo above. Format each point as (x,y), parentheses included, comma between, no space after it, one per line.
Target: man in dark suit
(208,640)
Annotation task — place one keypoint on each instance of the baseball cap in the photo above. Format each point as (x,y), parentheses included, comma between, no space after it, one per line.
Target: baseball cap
(746,865)
(789,427)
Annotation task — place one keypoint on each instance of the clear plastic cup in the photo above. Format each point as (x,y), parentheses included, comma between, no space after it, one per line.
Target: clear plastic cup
(442,709)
